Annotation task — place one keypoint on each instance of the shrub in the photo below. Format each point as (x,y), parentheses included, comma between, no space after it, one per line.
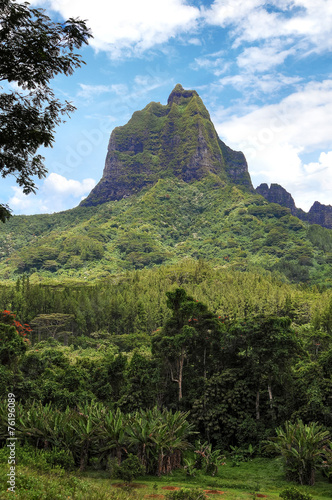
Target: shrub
(207,459)
(294,494)
(129,469)
(186,494)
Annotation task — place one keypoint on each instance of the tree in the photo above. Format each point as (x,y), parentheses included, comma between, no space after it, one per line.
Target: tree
(130,469)
(33,50)
(266,346)
(192,332)
(53,325)
(176,338)
(11,345)
(13,340)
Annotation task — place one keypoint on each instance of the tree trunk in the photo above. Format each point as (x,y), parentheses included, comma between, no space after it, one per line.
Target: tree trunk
(257,406)
(178,380)
(271,400)
(84,457)
(180,376)
(118,454)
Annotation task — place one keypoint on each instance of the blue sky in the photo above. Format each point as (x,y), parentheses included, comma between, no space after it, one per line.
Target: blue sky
(263,70)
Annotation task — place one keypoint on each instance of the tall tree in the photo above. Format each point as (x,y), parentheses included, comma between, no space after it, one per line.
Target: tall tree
(266,346)
(33,49)
(192,331)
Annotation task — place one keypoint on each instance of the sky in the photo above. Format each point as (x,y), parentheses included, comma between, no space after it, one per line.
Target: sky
(263,70)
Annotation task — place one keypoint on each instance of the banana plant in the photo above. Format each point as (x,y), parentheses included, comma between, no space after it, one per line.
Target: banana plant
(86,424)
(172,440)
(302,447)
(114,434)
(142,431)
(42,424)
(208,459)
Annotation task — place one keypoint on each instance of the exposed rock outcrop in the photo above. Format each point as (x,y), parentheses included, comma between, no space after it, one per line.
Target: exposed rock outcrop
(177,139)
(318,213)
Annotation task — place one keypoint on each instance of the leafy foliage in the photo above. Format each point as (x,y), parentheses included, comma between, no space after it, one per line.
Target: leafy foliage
(186,494)
(129,469)
(294,494)
(33,50)
(302,448)
(164,224)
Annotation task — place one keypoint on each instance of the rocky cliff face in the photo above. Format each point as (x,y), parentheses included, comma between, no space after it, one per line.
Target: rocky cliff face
(177,139)
(318,213)
(277,194)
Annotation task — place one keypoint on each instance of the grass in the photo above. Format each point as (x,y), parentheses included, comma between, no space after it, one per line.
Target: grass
(260,476)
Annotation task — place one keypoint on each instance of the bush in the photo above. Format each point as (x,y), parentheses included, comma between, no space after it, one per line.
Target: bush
(60,458)
(294,494)
(186,494)
(129,469)
(43,460)
(207,459)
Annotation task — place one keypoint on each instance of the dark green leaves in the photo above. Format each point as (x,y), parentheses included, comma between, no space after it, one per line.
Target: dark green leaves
(33,50)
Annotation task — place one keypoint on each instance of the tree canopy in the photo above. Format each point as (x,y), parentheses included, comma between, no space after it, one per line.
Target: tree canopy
(34,49)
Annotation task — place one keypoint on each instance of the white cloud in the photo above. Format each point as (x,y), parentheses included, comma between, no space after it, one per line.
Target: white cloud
(255,20)
(129,26)
(89,91)
(56,184)
(318,177)
(276,138)
(213,62)
(195,41)
(25,204)
(262,59)
(252,86)
(272,31)
(225,12)
(55,194)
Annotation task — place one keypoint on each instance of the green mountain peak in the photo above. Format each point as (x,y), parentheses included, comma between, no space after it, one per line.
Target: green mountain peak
(166,141)
(179,95)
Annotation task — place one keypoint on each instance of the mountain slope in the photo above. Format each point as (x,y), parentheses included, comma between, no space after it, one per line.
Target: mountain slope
(165,223)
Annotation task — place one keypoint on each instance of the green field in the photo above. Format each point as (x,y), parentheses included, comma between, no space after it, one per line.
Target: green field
(261,476)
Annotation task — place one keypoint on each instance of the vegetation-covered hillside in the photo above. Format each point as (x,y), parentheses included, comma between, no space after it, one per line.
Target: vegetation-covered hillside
(163,224)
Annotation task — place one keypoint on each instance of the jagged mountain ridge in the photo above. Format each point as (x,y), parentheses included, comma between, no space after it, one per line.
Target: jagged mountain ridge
(162,141)
(179,140)
(318,213)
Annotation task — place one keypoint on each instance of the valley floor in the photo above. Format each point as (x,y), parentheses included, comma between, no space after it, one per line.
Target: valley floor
(258,478)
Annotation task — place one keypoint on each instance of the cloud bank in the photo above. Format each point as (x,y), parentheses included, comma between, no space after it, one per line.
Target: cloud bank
(275,137)
(56,194)
(129,27)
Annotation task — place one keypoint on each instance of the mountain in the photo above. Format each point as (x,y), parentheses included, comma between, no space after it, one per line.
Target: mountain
(167,141)
(318,213)
(171,190)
